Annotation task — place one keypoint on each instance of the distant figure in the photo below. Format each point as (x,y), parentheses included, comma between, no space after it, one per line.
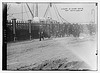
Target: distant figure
(41,35)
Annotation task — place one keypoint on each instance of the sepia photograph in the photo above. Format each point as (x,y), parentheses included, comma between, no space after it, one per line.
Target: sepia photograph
(50,36)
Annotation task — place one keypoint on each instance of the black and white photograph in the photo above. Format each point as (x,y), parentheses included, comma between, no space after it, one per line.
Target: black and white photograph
(50,36)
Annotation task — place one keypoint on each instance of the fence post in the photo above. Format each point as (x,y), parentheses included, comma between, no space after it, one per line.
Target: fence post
(14,28)
(29,21)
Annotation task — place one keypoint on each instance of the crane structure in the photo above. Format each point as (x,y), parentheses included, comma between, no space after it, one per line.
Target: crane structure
(30,10)
(58,15)
(34,12)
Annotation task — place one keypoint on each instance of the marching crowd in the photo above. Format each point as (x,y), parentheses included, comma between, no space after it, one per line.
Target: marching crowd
(69,30)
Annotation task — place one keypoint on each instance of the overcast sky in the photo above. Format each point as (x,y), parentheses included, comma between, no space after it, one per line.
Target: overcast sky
(84,12)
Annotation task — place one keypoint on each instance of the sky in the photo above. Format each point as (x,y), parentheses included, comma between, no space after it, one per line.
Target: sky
(71,12)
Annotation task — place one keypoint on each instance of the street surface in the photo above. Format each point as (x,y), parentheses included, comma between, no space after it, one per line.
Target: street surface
(27,53)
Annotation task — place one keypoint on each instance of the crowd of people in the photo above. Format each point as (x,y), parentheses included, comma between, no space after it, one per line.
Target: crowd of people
(68,30)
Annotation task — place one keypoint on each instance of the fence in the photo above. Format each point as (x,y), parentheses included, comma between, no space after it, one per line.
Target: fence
(27,30)
(21,30)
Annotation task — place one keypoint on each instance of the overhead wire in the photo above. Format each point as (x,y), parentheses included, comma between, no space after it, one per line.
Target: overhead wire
(30,10)
(60,15)
(26,11)
(56,14)
(33,10)
(50,13)
(46,11)
(11,14)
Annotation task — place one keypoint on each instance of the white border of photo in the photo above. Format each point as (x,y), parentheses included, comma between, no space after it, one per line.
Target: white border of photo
(1,29)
